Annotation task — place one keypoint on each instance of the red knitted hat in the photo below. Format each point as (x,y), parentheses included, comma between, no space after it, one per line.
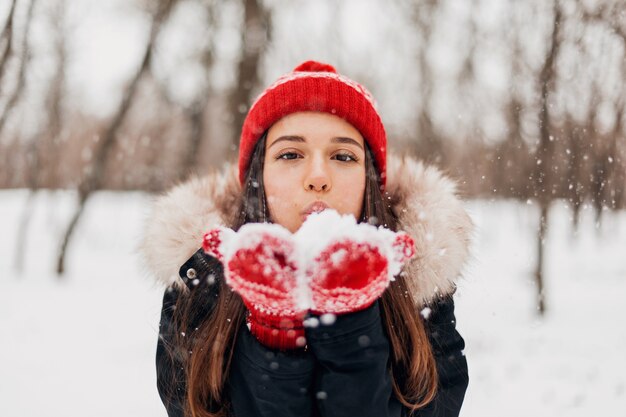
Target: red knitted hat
(314,86)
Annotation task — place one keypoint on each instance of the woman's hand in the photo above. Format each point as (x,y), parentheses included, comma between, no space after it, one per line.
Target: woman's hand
(321,268)
(263,272)
(350,275)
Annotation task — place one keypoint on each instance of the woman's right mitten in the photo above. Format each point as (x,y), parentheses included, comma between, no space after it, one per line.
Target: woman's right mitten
(259,265)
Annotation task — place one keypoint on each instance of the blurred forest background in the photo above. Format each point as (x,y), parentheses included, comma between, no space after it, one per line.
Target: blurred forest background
(515,99)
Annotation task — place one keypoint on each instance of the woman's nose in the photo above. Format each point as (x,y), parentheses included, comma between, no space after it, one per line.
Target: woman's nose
(318,177)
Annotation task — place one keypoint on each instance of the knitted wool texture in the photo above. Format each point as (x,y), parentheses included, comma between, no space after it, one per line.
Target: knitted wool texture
(314,86)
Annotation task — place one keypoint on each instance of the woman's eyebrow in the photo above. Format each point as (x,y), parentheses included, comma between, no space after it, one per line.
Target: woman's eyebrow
(290,138)
(300,139)
(342,139)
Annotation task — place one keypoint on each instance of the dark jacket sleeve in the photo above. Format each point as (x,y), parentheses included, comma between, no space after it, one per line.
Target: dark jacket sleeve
(353,377)
(201,273)
(448,347)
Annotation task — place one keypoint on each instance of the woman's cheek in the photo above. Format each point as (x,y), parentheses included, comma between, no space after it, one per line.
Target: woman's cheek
(352,196)
(282,211)
(274,187)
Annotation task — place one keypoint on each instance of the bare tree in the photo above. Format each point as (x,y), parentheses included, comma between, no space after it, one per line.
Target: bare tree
(196,113)
(95,174)
(48,139)
(610,172)
(544,155)
(511,161)
(6,37)
(256,35)
(21,72)
(575,193)
(617,155)
(56,92)
(430,142)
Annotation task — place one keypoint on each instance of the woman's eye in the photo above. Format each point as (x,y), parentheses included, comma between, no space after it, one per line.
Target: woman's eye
(344,157)
(288,155)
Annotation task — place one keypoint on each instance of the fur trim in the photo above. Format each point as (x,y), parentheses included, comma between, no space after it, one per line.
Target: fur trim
(422,197)
(425,202)
(175,228)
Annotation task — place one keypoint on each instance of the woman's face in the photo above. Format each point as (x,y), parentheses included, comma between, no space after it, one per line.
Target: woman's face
(313,157)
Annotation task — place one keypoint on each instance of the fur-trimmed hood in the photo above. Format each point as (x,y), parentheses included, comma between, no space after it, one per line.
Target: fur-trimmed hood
(422,197)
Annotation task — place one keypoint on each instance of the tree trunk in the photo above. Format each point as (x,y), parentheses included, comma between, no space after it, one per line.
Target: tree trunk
(544,157)
(428,143)
(539,267)
(256,34)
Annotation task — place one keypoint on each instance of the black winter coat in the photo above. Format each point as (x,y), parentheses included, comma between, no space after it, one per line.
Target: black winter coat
(344,369)
(343,372)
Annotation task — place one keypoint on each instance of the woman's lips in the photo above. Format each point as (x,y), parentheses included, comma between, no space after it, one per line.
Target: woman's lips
(315,207)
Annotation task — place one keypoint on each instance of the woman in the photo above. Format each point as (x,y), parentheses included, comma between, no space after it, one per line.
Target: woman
(312,140)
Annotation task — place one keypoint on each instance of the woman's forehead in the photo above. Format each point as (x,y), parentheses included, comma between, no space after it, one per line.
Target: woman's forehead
(314,127)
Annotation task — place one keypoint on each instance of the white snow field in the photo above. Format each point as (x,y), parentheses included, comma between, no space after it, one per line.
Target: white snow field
(84,345)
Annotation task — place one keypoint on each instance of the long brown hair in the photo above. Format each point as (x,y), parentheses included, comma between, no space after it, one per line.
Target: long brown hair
(207,354)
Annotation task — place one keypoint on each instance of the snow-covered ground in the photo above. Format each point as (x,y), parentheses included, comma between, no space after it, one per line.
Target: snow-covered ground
(84,344)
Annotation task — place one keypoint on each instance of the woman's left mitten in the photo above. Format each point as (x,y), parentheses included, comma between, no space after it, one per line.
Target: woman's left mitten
(349,275)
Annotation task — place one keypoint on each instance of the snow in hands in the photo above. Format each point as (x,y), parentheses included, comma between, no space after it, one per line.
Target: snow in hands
(332,264)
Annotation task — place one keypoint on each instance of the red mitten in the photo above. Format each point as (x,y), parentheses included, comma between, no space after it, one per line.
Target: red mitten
(349,276)
(259,266)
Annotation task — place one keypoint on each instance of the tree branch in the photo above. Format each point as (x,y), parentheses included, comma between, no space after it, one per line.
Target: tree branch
(24,59)
(7,33)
